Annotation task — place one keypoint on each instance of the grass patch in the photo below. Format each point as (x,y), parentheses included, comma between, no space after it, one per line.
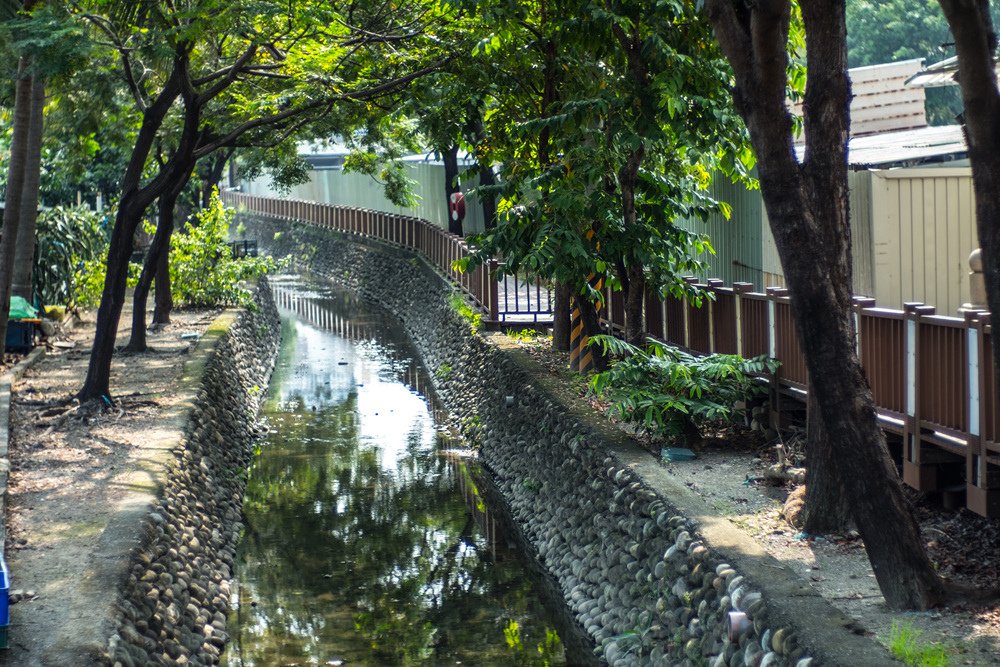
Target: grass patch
(907,646)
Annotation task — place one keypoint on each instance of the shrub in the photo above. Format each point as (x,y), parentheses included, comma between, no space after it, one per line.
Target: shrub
(69,242)
(202,269)
(669,392)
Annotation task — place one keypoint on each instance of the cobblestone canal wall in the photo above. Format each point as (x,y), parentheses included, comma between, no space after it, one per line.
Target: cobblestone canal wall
(174,606)
(650,578)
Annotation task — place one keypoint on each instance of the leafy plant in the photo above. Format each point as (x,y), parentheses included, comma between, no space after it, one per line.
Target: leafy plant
(67,239)
(443,372)
(203,271)
(524,335)
(467,312)
(669,392)
(906,645)
(88,281)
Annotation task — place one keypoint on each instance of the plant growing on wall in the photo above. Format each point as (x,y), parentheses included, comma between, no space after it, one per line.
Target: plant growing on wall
(671,393)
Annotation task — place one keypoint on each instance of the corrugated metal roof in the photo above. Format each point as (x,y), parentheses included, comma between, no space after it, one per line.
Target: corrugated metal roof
(939,74)
(907,148)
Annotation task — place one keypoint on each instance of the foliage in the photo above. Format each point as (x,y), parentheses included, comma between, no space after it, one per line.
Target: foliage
(611,121)
(906,645)
(883,31)
(203,271)
(443,372)
(67,239)
(665,390)
(524,335)
(544,652)
(88,281)
(467,312)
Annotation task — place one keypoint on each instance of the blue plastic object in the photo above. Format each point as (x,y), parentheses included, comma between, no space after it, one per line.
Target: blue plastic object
(4,602)
(20,336)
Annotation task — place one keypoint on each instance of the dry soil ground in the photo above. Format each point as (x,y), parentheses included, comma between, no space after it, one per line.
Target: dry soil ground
(69,473)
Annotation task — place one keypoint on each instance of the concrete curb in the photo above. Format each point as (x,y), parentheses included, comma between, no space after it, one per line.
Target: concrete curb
(6,380)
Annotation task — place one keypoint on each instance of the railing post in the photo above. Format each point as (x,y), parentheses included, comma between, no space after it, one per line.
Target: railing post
(982,485)
(919,469)
(860,303)
(739,289)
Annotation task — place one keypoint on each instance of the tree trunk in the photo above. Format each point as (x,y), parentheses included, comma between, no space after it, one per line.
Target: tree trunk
(451,186)
(560,317)
(975,44)
(158,249)
(825,509)
(807,207)
(133,204)
(24,255)
(163,300)
(15,187)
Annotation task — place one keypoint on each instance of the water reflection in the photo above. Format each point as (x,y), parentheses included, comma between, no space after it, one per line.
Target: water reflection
(367,539)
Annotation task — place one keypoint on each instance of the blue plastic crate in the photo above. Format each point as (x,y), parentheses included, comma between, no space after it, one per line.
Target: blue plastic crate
(4,602)
(20,336)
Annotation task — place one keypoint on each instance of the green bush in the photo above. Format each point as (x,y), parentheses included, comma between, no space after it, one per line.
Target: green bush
(69,242)
(671,393)
(467,312)
(88,280)
(202,269)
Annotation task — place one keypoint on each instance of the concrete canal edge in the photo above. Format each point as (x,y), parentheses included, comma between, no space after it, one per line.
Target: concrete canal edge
(182,516)
(648,569)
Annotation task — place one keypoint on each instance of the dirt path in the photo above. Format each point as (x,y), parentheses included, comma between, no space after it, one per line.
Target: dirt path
(78,485)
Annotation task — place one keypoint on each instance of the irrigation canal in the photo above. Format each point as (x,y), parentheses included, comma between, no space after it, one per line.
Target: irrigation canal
(368,539)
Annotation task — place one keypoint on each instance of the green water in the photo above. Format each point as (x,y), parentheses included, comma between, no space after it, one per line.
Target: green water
(367,539)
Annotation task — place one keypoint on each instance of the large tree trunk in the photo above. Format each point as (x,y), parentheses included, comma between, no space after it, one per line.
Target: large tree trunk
(451,186)
(163,300)
(132,206)
(825,509)
(158,249)
(24,255)
(976,43)
(560,317)
(15,187)
(807,207)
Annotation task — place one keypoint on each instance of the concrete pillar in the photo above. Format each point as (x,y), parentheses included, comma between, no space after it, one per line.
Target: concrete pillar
(977,285)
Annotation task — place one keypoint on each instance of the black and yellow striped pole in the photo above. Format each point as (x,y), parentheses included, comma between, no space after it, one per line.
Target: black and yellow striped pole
(581,357)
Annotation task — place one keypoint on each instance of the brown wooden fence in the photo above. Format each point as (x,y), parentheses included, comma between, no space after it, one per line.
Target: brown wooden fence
(504,298)
(931,376)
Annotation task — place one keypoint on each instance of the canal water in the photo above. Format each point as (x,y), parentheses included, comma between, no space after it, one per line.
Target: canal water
(368,540)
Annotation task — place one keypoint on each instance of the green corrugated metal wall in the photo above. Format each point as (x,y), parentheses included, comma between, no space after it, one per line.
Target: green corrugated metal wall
(333,186)
(737,241)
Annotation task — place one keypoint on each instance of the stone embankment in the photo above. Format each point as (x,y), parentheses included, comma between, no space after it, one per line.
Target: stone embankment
(648,571)
(174,605)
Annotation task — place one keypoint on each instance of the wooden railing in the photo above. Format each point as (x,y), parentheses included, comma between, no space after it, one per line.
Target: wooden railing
(931,376)
(504,298)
